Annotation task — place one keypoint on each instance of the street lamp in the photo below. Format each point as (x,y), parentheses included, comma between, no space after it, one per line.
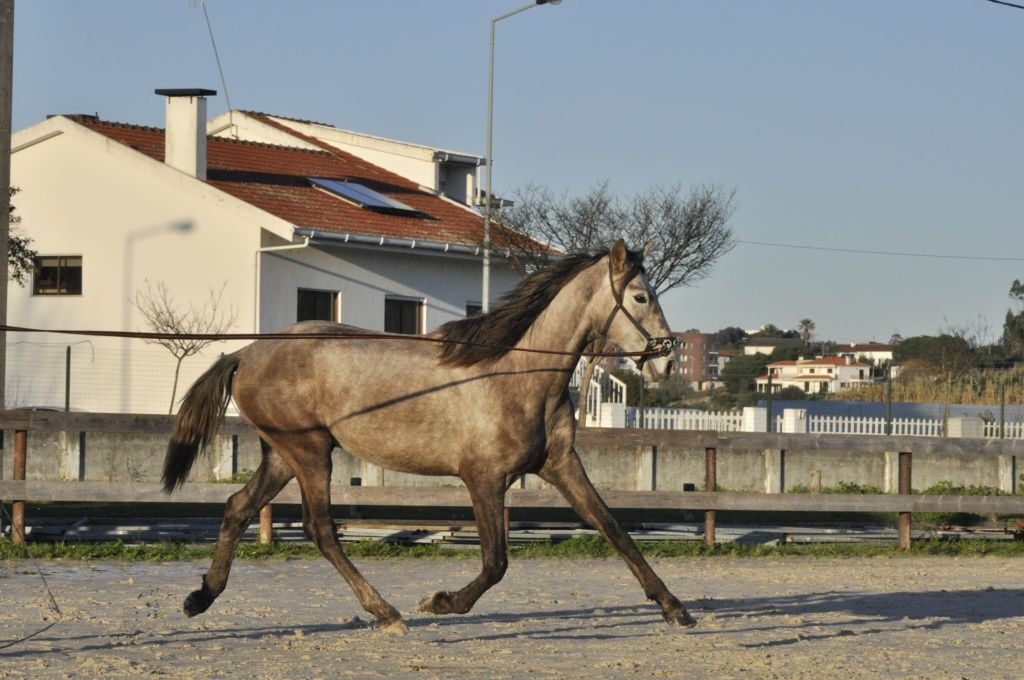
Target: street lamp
(489,205)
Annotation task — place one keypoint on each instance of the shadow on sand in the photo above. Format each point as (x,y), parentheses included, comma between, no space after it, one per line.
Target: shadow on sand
(865,614)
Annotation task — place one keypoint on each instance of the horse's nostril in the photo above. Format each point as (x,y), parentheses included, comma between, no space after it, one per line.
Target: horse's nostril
(668,369)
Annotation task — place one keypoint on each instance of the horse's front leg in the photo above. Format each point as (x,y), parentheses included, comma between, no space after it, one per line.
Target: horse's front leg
(564,471)
(488,505)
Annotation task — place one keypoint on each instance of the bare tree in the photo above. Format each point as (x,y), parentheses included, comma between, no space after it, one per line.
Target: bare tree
(685,232)
(163,315)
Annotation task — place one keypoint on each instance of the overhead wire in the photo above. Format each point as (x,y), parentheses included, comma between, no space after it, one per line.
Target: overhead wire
(1008,4)
(890,253)
(220,69)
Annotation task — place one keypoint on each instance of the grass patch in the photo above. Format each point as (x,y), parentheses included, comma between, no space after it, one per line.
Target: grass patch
(584,547)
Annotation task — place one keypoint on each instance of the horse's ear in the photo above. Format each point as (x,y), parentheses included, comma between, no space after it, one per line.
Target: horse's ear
(649,248)
(619,254)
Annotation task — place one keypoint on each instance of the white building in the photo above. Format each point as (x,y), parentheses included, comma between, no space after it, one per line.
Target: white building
(876,353)
(290,228)
(824,375)
(452,174)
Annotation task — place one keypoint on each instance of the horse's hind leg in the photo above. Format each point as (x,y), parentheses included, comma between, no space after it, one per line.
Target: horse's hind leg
(565,472)
(488,505)
(268,480)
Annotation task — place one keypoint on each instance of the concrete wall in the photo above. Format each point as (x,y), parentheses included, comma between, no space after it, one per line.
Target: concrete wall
(117,457)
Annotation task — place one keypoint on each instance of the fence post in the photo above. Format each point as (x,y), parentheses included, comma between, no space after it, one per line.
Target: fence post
(647,468)
(710,485)
(775,471)
(67,379)
(904,484)
(1007,473)
(890,482)
(18,507)
(266,522)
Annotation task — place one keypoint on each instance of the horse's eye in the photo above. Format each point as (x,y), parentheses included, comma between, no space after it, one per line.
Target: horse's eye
(641,298)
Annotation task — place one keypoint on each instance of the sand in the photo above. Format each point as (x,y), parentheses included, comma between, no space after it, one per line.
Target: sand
(758,618)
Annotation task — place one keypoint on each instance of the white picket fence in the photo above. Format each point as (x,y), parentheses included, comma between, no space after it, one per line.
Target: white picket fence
(920,427)
(683,419)
(1010,430)
(732,421)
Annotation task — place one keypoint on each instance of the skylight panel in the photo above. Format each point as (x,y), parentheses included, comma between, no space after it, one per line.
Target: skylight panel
(363,196)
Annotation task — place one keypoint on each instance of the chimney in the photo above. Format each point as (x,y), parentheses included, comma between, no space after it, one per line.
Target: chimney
(185,136)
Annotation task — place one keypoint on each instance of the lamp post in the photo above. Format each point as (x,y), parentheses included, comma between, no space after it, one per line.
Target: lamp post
(489,204)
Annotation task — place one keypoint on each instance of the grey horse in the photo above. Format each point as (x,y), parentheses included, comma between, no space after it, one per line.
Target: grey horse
(485,403)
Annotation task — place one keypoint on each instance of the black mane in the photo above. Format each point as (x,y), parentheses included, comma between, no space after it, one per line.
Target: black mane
(490,335)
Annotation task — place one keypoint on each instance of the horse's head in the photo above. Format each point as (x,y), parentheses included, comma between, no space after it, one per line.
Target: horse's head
(635,321)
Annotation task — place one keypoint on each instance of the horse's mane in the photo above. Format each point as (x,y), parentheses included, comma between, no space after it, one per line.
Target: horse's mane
(490,335)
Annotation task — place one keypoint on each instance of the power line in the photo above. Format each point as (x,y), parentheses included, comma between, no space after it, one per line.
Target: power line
(1008,4)
(891,253)
(220,70)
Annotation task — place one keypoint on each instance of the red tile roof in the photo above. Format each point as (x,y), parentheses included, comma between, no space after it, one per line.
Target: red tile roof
(824,361)
(275,179)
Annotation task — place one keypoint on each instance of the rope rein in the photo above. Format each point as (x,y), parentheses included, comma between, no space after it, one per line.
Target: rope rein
(644,354)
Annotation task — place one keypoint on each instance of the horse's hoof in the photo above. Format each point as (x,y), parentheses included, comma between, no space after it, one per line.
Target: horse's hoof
(438,603)
(197,602)
(394,626)
(680,618)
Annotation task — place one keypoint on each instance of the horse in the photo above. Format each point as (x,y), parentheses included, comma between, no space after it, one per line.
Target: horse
(484,403)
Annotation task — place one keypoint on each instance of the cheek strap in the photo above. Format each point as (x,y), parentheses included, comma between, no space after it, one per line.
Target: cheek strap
(656,346)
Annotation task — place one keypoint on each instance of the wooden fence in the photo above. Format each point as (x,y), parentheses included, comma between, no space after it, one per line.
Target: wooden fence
(710,501)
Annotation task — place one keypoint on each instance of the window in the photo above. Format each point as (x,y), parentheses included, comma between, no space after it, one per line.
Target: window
(317,305)
(402,315)
(57,275)
(474,309)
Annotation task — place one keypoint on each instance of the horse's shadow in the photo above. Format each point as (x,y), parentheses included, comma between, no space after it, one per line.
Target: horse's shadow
(866,614)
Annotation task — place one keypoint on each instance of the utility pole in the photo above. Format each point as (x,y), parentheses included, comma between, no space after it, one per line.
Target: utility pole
(6,90)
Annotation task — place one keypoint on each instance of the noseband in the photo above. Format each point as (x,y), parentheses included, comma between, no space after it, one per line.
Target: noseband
(656,346)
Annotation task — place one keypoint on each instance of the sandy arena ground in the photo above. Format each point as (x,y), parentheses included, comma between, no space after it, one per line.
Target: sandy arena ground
(761,618)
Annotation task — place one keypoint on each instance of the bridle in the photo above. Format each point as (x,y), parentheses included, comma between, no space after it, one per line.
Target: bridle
(660,346)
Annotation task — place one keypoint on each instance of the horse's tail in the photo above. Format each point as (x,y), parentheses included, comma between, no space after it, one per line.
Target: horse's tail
(201,413)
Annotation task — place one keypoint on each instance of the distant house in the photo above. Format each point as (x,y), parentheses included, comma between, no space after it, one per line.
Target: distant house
(288,225)
(876,353)
(824,375)
(758,345)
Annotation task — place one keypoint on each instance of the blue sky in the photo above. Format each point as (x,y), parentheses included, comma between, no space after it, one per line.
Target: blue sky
(871,125)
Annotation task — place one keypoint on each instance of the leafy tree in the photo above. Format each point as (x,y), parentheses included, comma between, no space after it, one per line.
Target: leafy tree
(20,255)
(1013,326)
(806,329)
(939,353)
(731,336)
(740,373)
(791,393)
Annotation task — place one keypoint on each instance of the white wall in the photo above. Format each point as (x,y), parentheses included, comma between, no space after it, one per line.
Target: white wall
(85,195)
(364,276)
